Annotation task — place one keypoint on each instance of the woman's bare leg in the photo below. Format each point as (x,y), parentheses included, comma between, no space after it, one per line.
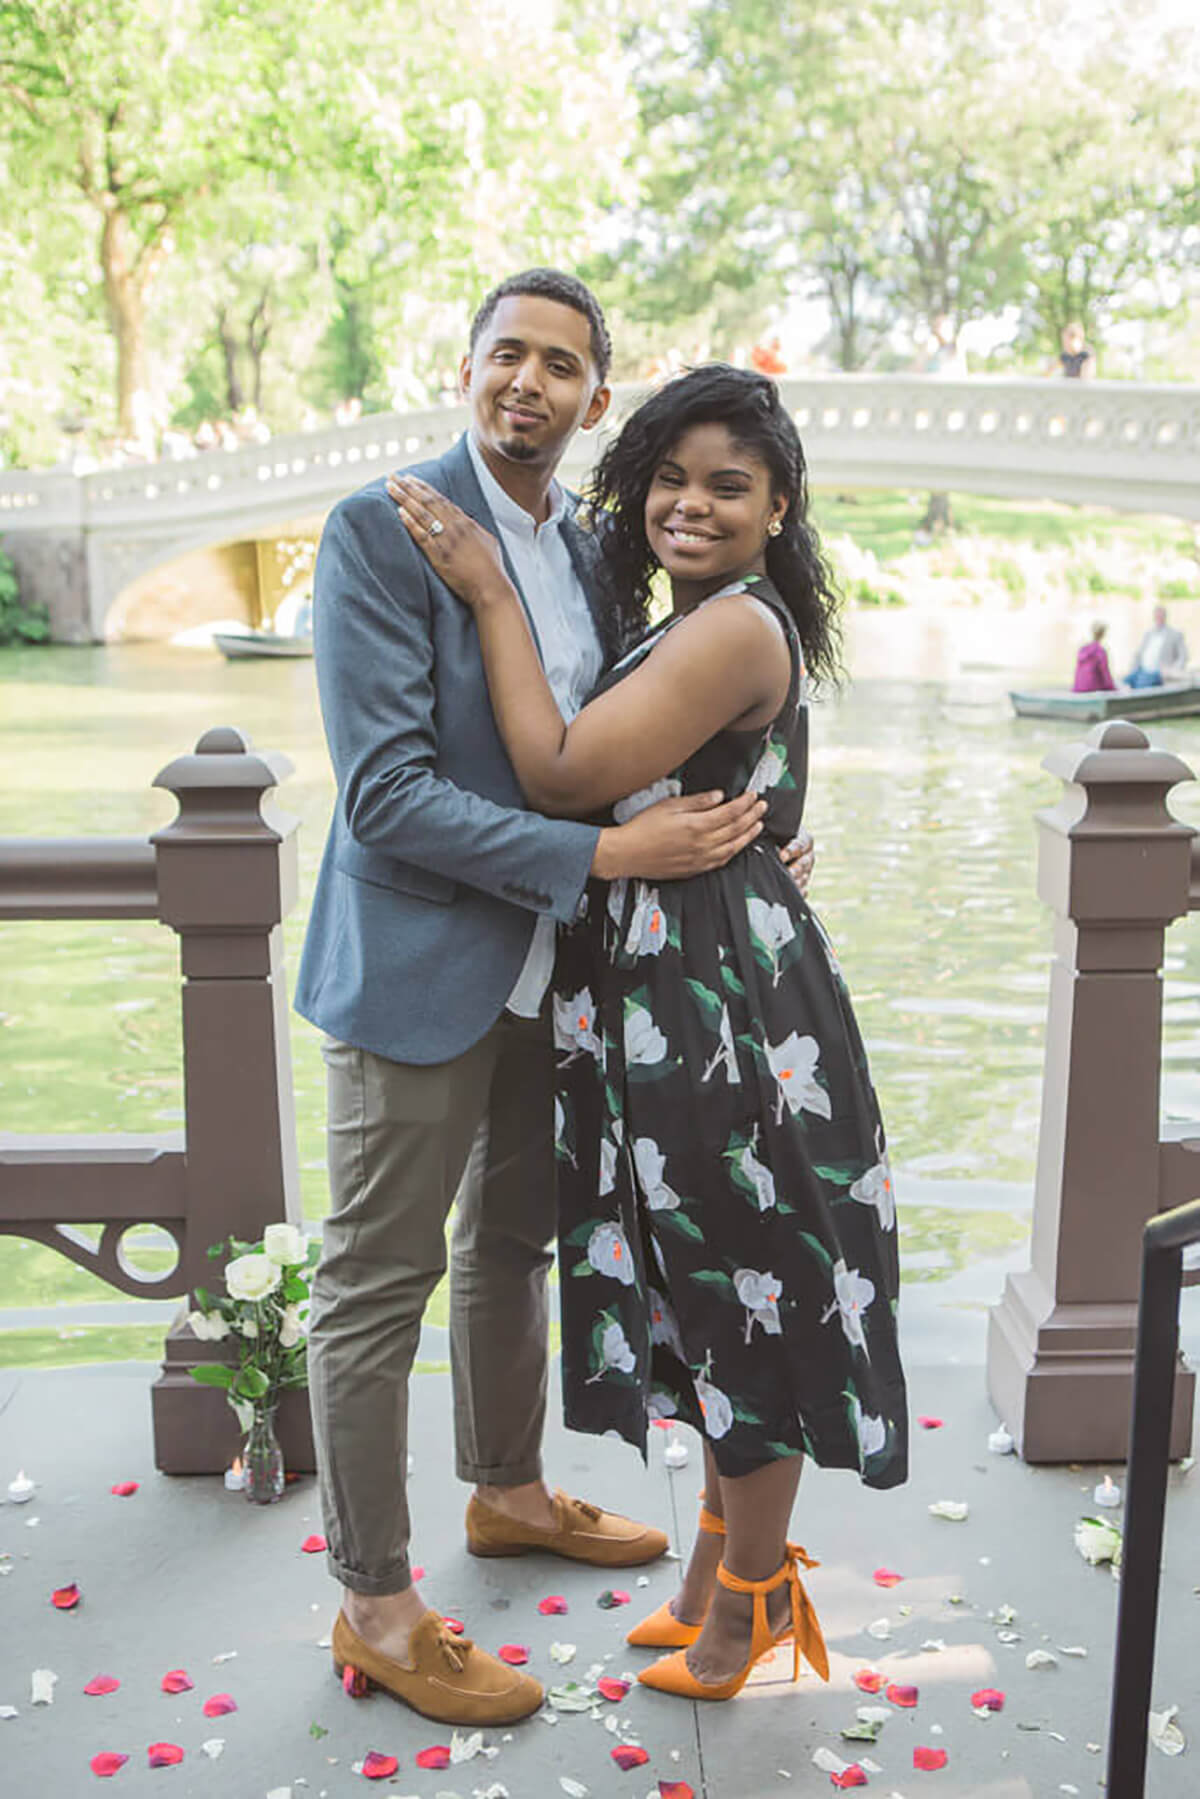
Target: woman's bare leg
(757,1509)
(700,1577)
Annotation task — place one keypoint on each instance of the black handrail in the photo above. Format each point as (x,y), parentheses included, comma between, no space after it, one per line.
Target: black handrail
(1163,1243)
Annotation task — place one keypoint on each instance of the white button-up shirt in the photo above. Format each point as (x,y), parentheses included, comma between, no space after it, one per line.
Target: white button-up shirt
(570,651)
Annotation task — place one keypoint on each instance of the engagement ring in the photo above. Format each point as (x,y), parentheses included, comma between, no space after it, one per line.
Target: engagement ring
(436,528)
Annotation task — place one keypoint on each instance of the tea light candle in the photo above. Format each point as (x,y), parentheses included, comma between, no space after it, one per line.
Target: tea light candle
(1108,1493)
(675,1455)
(234,1479)
(21,1489)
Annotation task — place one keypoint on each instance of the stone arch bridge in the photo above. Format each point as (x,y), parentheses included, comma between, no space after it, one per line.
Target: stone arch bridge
(80,541)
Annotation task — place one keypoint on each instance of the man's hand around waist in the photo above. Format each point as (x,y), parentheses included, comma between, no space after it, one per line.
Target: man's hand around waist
(677,838)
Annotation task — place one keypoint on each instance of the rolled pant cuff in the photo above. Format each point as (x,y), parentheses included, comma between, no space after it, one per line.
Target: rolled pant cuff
(500,1474)
(398,1579)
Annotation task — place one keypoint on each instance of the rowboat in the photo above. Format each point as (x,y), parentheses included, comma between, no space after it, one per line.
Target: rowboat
(1174,699)
(241,646)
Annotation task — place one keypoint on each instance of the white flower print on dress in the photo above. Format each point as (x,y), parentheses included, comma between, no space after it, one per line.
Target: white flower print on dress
(715,1406)
(726,1054)
(664,1326)
(762,1179)
(651,1163)
(666,789)
(645,1044)
(852,1294)
(772,927)
(608,1166)
(769,769)
(871,1432)
(561,1146)
(608,1253)
(875,1188)
(575,1024)
(616,898)
(794,1065)
(760,1294)
(615,1351)
(648,926)
(661,1404)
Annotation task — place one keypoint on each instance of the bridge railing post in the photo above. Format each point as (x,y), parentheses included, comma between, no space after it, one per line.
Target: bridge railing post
(226,878)
(1114,866)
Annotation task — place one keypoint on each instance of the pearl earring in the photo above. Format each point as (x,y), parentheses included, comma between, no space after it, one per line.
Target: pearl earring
(775,527)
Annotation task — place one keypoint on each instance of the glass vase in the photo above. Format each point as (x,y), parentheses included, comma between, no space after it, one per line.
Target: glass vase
(262,1460)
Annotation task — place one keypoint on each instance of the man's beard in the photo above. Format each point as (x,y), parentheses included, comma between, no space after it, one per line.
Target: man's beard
(518,450)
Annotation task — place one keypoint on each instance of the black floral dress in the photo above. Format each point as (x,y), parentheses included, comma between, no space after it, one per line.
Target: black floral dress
(727,1216)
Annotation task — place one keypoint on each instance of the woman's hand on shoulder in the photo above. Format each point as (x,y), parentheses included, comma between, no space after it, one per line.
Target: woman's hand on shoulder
(467,558)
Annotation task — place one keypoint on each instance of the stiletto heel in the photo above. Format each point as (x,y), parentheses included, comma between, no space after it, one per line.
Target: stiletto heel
(662,1629)
(672,1674)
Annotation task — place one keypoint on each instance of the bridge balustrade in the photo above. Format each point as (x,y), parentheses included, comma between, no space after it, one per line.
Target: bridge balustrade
(222,875)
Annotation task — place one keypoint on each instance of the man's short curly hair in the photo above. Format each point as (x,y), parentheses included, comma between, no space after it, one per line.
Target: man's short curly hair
(567,290)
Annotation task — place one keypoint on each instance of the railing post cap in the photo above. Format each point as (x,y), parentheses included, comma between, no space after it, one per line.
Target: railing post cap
(224,757)
(1116,753)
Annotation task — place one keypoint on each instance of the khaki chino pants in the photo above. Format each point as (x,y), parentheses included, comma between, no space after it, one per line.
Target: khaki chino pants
(403,1141)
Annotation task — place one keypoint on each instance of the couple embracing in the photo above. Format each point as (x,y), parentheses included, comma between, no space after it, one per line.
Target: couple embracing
(570,988)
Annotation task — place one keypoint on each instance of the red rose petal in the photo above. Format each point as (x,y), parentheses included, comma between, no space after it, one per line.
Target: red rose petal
(417,1573)
(219,1705)
(930,1759)
(988,1699)
(65,1599)
(675,1789)
(355,1682)
(313,1545)
(869,1680)
(853,1776)
(612,1596)
(906,1697)
(164,1755)
(515,1654)
(612,1689)
(106,1764)
(454,1624)
(378,1767)
(177,1681)
(626,1757)
(102,1683)
(124,1489)
(931,1423)
(437,1757)
(663,1424)
(887,1577)
(552,1605)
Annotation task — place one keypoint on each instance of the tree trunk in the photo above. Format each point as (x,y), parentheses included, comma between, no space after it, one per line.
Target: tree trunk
(229,350)
(124,293)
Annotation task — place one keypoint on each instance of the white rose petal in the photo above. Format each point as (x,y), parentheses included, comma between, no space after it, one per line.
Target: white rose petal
(1165,1734)
(284,1244)
(954,1510)
(1098,1540)
(42,1683)
(251,1277)
(291,1327)
(1040,1658)
(213,1747)
(209,1327)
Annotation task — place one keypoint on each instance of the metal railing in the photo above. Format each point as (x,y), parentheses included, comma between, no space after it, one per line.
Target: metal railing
(1163,1243)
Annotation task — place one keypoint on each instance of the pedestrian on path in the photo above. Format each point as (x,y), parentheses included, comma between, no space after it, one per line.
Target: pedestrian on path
(727,1218)
(428,956)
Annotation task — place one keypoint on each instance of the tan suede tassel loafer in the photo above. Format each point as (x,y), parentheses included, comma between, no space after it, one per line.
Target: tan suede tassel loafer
(581,1532)
(445,1677)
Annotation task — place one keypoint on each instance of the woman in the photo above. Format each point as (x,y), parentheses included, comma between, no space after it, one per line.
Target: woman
(1092,672)
(727,1224)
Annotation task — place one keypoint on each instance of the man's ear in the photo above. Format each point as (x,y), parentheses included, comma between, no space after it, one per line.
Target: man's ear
(464,375)
(597,407)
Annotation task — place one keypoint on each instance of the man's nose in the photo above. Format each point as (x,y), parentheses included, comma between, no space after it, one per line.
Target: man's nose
(527,376)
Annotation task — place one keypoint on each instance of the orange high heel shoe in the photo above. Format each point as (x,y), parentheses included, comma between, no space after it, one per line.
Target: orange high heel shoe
(662,1629)
(672,1674)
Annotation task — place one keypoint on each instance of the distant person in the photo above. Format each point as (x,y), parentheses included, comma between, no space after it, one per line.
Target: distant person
(1092,673)
(1162,654)
(1076,358)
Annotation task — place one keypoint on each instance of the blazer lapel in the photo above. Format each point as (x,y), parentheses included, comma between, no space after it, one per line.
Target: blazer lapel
(462,486)
(584,551)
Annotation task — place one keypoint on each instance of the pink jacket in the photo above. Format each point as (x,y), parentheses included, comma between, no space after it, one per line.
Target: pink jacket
(1092,673)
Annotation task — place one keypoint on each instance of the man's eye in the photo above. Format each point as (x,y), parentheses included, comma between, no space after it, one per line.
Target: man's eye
(562,369)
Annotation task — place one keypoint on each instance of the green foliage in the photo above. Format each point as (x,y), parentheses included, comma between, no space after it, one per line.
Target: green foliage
(19,623)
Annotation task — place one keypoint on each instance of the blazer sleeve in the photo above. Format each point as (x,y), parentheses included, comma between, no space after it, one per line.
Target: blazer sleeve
(373,642)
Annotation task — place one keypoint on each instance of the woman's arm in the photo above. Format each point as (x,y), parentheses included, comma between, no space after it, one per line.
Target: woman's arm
(710,670)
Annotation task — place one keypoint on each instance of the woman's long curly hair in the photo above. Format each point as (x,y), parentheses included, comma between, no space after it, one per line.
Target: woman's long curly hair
(750,408)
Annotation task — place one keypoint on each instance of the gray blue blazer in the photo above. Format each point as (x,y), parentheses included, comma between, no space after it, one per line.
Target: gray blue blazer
(434,870)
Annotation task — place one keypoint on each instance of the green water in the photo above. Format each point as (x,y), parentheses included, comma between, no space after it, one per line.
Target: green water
(922,801)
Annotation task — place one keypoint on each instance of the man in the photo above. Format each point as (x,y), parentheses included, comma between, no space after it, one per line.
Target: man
(429,953)
(1162,655)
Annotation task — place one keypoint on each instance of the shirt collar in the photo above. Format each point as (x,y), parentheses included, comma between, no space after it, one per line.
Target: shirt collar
(504,509)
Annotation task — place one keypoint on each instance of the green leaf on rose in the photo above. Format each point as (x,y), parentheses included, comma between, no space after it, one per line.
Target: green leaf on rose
(213,1374)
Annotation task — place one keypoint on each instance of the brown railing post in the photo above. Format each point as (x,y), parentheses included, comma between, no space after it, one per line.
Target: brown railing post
(1114,868)
(226,877)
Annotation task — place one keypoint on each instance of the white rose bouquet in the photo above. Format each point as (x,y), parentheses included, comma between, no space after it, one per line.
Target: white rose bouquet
(262,1316)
